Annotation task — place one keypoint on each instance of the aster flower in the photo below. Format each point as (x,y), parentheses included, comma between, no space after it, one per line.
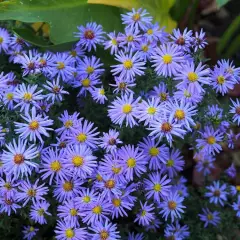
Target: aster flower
(133,161)
(4,81)
(157,186)
(153,33)
(110,140)
(154,225)
(39,210)
(209,143)
(31,192)
(55,90)
(205,164)
(199,40)
(124,108)
(129,39)
(145,49)
(209,217)
(46,63)
(35,126)
(182,40)
(145,216)
(231,171)
(234,190)
(29,232)
(172,204)
(166,60)
(235,109)
(104,230)
(123,85)
(217,193)
(8,205)
(4,40)
(160,92)
(86,197)
(8,98)
(138,236)
(136,19)
(154,154)
(8,187)
(130,65)
(43,107)
(77,52)
(98,94)
(90,36)
(176,231)
(17,159)
(236,207)
(112,43)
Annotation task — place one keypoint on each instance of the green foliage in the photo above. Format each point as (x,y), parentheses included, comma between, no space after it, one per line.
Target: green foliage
(220,3)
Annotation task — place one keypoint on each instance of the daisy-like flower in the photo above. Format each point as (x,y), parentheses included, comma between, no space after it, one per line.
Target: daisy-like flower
(217,193)
(77,52)
(154,154)
(231,171)
(17,159)
(145,49)
(29,232)
(182,113)
(172,204)
(164,127)
(8,205)
(205,164)
(137,19)
(153,33)
(122,85)
(236,207)
(132,160)
(235,109)
(149,110)
(4,40)
(157,186)
(182,40)
(221,80)
(8,98)
(8,186)
(18,43)
(86,198)
(90,36)
(38,211)
(192,76)
(110,140)
(53,165)
(46,63)
(210,141)
(80,161)
(43,107)
(138,236)
(130,65)
(98,94)
(166,60)
(113,42)
(90,65)
(104,230)
(176,231)
(31,192)
(199,40)
(67,231)
(124,109)
(4,81)
(35,126)
(129,39)
(160,92)
(145,216)
(209,217)
(86,134)
(55,90)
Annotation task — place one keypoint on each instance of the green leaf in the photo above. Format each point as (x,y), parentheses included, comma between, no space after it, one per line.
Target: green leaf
(220,3)
(233,47)
(159,9)
(180,7)
(63,16)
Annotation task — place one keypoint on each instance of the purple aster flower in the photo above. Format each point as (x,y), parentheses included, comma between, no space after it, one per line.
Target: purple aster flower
(53,165)
(77,52)
(18,43)
(110,140)
(17,159)
(14,55)
(231,171)
(4,81)
(145,49)
(35,126)
(221,81)
(43,107)
(182,40)
(209,142)
(67,230)
(129,39)
(236,207)
(55,90)
(113,42)
(215,113)
(26,96)
(8,205)
(160,92)
(172,204)
(209,217)
(192,76)
(157,186)
(80,161)
(4,40)
(31,192)
(98,94)
(132,160)
(46,63)
(166,60)
(235,109)
(234,190)
(153,33)
(205,164)
(130,65)
(199,40)
(137,19)
(86,198)
(154,154)
(29,232)
(86,134)
(90,36)
(122,85)
(176,231)
(231,138)
(8,98)
(104,230)
(124,108)
(154,225)
(217,193)
(38,212)
(145,216)
(138,236)
(8,187)
(181,189)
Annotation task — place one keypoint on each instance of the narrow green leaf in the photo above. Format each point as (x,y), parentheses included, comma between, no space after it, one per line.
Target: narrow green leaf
(233,47)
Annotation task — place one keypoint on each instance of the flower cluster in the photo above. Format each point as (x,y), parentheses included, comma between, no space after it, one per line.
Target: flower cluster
(92,172)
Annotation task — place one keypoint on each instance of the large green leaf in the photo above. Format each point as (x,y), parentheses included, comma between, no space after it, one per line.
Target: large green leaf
(220,3)
(159,9)
(63,16)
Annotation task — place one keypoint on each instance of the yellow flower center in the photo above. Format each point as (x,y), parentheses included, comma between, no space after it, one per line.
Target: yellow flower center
(69,233)
(34,125)
(90,69)
(104,235)
(157,187)
(127,108)
(31,229)
(151,110)
(238,188)
(153,151)
(170,163)
(128,64)
(192,77)
(136,17)
(31,192)
(68,186)
(145,48)
(187,94)
(73,212)
(130,38)
(172,205)
(8,186)
(102,91)
(166,127)
(27,96)
(179,114)
(86,82)
(60,65)
(143,213)
(131,162)
(68,124)
(97,210)
(86,199)
(163,96)
(77,161)
(18,159)
(116,170)
(210,216)
(40,211)
(150,31)
(122,85)
(167,59)
(110,184)
(99,177)
(55,166)
(116,202)
(1,40)
(81,137)
(221,79)
(211,140)
(114,41)
(9,96)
